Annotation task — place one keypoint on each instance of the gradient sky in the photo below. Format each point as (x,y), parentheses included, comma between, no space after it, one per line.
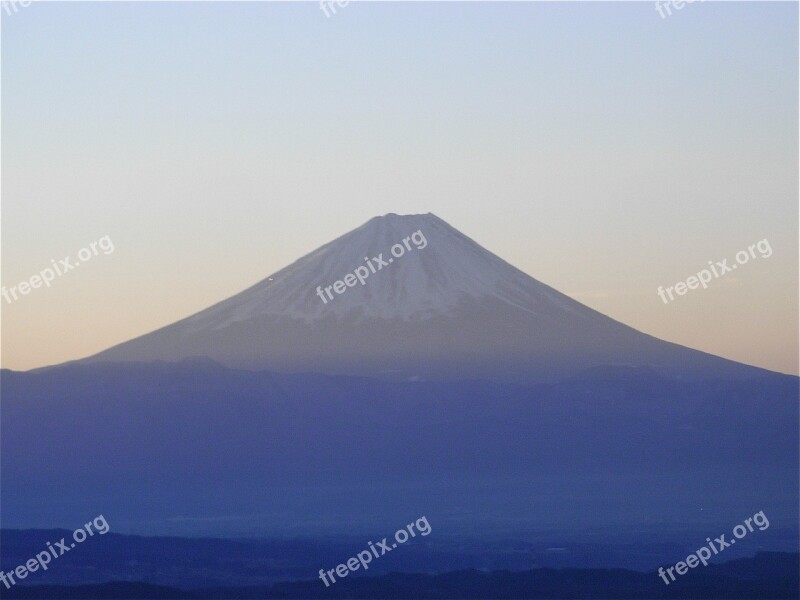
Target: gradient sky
(598,147)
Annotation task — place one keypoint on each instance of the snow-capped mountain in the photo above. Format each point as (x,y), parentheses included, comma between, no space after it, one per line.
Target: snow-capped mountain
(195,446)
(417,300)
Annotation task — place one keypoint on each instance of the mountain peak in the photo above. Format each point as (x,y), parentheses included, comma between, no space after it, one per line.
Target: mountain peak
(391,267)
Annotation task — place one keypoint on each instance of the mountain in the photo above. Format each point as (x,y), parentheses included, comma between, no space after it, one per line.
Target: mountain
(449,385)
(422,301)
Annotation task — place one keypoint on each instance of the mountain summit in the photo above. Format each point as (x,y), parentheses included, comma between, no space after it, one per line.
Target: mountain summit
(410,297)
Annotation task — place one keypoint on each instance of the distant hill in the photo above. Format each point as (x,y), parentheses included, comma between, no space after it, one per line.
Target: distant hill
(197,448)
(767,575)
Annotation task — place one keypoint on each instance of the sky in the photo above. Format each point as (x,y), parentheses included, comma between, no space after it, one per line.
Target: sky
(600,148)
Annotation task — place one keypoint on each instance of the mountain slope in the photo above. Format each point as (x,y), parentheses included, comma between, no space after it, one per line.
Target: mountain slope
(442,307)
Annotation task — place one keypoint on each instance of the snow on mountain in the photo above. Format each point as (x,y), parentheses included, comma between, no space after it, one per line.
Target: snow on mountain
(441,307)
(438,273)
